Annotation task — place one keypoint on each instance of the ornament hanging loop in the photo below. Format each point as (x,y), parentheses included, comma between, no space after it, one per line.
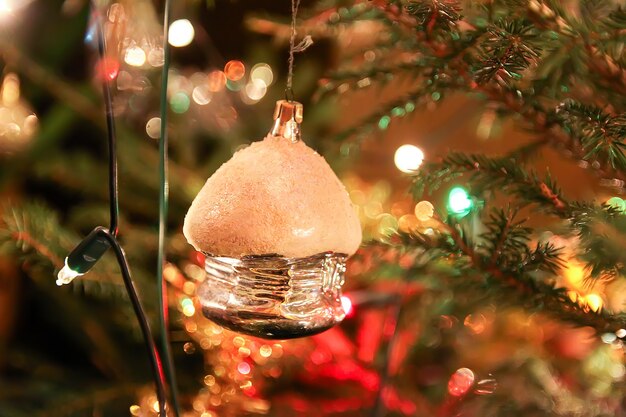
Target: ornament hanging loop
(293,48)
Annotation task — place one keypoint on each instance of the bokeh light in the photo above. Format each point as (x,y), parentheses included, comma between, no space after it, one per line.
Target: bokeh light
(156,56)
(617,203)
(201,94)
(408,158)
(424,210)
(346,304)
(459,201)
(262,72)
(256,89)
(107,68)
(594,302)
(243,368)
(181,33)
(180,102)
(135,56)
(216,81)
(234,70)
(460,382)
(153,127)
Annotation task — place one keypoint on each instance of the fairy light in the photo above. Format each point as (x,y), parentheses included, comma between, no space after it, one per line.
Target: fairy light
(216,81)
(181,33)
(408,158)
(256,89)
(135,56)
(460,382)
(424,210)
(574,273)
(265,351)
(616,203)
(262,72)
(346,304)
(153,127)
(201,95)
(10,90)
(188,307)
(244,368)
(108,68)
(156,56)
(234,70)
(459,201)
(180,102)
(594,302)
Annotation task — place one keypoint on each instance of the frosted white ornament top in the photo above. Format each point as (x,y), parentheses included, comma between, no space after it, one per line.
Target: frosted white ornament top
(273,197)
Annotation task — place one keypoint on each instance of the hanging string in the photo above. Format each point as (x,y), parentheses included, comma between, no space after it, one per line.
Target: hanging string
(293,48)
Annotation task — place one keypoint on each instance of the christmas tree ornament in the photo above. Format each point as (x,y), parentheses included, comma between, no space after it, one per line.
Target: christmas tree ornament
(277,226)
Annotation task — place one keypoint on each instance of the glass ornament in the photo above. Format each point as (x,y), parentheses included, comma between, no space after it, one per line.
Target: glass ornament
(277,227)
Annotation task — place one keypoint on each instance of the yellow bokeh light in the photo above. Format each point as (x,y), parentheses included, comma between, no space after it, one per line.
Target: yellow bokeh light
(265,351)
(574,274)
(594,302)
(10,89)
(424,210)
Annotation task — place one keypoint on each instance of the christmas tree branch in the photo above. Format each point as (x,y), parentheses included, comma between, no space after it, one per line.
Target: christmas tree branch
(599,227)
(489,280)
(510,61)
(504,174)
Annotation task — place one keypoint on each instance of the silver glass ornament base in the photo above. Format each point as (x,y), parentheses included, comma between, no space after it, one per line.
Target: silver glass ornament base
(273,297)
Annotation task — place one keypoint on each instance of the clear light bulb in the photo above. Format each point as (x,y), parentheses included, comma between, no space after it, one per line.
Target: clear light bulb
(66,275)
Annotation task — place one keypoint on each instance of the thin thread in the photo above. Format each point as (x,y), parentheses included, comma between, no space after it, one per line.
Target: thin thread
(292,47)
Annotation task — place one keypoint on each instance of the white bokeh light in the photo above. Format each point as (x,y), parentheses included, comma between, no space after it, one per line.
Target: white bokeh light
(181,33)
(135,56)
(262,72)
(408,158)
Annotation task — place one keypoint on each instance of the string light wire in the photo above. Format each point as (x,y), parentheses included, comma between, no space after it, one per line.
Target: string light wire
(111,234)
(164,338)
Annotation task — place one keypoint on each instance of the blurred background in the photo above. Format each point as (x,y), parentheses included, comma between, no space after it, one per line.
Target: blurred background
(76,350)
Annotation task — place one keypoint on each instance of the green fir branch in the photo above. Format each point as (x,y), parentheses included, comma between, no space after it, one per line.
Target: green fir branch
(601,135)
(503,174)
(489,282)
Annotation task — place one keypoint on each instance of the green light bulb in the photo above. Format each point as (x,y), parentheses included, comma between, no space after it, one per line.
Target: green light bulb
(459,201)
(616,203)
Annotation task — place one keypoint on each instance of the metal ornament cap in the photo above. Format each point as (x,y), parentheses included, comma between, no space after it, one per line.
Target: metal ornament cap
(287,120)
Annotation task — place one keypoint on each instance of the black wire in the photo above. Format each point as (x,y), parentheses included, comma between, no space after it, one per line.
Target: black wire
(155,360)
(111,234)
(110,121)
